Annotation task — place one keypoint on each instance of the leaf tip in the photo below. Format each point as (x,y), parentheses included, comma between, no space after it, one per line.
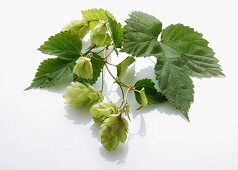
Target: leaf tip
(187,117)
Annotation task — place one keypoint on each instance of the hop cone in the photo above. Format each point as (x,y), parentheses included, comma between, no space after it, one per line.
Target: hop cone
(78,94)
(101,111)
(113,131)
(81,27)
(83,68)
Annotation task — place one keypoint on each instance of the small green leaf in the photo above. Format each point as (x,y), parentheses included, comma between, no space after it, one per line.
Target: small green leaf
(140,35)
(116,33)
(123,66)
(176,85)
(64,44)
(51,71)
(153,96)
(190,50)
(97,65)
(96,14)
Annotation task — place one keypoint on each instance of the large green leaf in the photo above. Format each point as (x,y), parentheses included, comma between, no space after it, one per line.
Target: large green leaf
(52,71)
(140,35)
(64,44)
(123,66)
(190,50)
(97,65)
(96,14)
(116,33)
(176,85)
(153,96)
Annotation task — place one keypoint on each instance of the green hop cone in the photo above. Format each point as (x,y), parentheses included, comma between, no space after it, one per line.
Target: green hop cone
(144,100)
(83,68)
(99,35)
(113,130)
(78,94)
(81,27)
(102,111)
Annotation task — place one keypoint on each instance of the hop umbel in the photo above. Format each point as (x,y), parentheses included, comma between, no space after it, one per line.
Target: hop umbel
(83,68)
(78,94)
(102,111)
(114,130)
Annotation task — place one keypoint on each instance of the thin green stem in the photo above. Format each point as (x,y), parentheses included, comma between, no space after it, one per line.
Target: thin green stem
(106,56)
(102,79)
(122,91)
(111,64)
(89,49)
(110,73)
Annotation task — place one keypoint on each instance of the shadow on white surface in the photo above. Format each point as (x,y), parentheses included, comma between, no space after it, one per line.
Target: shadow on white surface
(119,155)
(95,128)
(142,129)
(78,115)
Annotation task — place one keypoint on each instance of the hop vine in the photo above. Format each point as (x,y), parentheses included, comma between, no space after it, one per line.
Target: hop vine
(181,53)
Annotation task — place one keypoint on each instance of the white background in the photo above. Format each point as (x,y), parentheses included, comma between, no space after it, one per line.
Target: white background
(38,132)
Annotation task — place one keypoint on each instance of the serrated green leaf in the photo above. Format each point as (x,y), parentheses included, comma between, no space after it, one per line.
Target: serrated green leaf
(140,35)
(96,14)
(64,44)
(176,85)
(116,33)
(52,71)
(153,96)
(97,65)
(123,66)
(190,50)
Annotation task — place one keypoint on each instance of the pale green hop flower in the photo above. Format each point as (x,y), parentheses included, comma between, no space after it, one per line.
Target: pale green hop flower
(81,27)
(99,35)
(78,94)
(101,111)
(83,68)
(144,100)
(113,131)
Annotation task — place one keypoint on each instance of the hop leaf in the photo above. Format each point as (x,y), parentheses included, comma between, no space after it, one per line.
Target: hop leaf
(83,68)
(140,35)
(114,130)
(78,94)
(102,111)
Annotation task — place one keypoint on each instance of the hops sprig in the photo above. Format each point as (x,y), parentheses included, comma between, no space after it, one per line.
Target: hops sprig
(181,52)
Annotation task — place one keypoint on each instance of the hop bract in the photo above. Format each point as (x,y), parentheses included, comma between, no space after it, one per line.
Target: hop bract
(99,35)
(81,27)
(78,94)
(144,100)
(101,111)
(114,130)
(83,68)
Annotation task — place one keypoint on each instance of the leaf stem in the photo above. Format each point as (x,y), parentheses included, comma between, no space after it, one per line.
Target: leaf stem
(89,49)
(102,79)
